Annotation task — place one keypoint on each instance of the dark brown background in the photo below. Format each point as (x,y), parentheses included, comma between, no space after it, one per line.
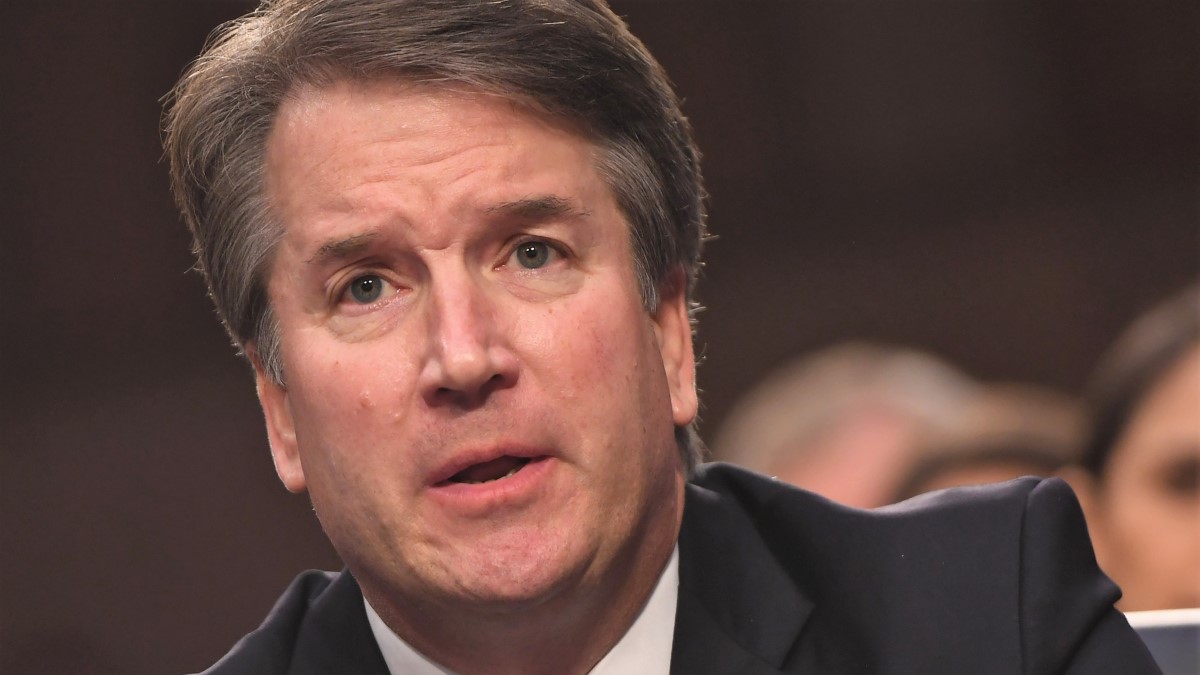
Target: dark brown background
(1005,184)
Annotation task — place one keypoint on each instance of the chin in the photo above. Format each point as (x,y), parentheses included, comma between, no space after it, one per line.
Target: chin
(517,589)
(512,569)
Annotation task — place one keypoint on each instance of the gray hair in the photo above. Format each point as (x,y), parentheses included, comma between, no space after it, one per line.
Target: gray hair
(783,417)
(573,59)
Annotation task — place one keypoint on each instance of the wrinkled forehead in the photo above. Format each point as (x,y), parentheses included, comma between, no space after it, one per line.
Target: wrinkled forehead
(341,135)
(352,151)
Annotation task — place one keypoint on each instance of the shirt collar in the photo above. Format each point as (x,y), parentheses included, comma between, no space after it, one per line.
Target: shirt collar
(645,647)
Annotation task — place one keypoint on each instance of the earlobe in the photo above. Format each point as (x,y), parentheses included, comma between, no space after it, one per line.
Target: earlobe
(674,332)
(281,429)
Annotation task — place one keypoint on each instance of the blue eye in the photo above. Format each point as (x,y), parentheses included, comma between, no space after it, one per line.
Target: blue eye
(532,254)
(366,289)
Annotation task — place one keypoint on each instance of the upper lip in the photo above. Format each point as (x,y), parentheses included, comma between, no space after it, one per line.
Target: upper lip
(463,459)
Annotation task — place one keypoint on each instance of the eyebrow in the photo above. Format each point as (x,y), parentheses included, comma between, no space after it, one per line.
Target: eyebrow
(342,248)
(529,209)
(539,209)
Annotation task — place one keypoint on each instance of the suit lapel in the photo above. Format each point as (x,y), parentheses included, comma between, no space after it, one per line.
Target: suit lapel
(336,637)
(739,611)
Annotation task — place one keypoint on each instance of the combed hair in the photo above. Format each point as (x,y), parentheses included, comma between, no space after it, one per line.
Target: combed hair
(573,59)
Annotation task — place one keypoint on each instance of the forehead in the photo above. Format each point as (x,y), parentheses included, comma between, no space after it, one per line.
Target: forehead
(1173,397)
(414,167)
(366,132)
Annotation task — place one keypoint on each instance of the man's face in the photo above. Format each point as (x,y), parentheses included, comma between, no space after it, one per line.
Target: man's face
(476,400)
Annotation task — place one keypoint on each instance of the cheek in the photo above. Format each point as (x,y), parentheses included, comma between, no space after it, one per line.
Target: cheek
(586,342)
(331,393)
(341,401)
(595,360)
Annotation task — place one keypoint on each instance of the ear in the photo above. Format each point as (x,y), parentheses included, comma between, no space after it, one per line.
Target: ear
(281,429)
(673,329)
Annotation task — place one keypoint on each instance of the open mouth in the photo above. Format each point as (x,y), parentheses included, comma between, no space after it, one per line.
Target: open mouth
(492,470)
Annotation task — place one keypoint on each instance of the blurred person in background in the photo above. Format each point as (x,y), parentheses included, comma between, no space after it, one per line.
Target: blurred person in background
(1007,431)
(1140,471)
(845,422)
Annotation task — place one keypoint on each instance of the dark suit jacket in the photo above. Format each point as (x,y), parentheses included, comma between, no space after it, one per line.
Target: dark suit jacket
(777,580)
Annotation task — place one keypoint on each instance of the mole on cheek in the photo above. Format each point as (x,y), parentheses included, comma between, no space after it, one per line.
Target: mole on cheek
(364,401)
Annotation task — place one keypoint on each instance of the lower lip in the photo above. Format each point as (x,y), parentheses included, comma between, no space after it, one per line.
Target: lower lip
(482,499)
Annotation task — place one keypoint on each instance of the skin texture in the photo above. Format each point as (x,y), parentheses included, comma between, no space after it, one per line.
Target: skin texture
(423,201)
(1146,513)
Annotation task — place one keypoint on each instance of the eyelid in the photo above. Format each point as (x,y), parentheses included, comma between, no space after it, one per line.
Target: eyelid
(340,290)
(558,250)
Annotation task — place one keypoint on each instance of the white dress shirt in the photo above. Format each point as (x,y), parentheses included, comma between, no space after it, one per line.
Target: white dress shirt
(645,649)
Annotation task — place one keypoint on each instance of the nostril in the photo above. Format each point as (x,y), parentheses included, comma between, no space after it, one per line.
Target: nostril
(465,374)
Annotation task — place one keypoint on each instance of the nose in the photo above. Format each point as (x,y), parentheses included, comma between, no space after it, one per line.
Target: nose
(469,357)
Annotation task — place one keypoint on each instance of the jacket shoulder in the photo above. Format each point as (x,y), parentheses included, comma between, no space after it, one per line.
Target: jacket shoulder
(269,648)
(982,575)
(936,529)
